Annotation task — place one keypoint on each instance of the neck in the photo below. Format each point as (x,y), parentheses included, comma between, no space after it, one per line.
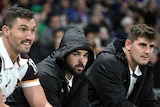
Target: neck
(130,60)
(13,55)
(69,76)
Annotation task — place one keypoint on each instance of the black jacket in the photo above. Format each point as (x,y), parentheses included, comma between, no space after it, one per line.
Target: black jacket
(52,75)
(109,80)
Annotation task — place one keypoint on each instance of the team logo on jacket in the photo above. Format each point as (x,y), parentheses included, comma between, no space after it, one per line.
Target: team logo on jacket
(31,63)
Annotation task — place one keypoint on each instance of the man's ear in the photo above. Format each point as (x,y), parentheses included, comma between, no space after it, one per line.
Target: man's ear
(5,30)
(128,44)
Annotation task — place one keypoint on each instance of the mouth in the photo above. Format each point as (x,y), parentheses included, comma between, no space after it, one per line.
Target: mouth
(79,68)
(145,57)
(26,42)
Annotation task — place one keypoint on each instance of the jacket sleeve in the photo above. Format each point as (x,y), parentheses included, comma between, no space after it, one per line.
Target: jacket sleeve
(106,77)
(51,88)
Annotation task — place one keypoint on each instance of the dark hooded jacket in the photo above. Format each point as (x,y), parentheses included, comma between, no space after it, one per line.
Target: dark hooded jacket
(109,79)
(52,75)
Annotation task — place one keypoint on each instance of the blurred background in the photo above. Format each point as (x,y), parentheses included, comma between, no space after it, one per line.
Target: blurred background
(101,20)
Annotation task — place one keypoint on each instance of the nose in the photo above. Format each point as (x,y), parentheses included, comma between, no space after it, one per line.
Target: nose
(81,59)
(30,35)
(148,49)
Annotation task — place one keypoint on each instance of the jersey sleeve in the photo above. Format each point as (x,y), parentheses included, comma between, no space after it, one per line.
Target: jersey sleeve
(31,77)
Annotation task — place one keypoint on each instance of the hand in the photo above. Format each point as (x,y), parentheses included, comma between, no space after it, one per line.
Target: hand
(2,104)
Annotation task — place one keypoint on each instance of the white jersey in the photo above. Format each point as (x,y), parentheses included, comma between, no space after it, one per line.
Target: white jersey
(22,73)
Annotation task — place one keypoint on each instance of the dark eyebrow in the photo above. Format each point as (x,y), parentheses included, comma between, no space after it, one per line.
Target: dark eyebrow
(79,51)
(27,26)
(23,26)
(151,45)
(142,43)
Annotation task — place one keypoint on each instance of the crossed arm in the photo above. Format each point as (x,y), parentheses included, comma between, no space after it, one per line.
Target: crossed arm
(2,104)
(36,96)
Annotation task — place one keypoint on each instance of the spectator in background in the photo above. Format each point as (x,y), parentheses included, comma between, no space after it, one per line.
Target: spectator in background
(149,12)
(156,65)
(92,29)
(4,5)
(80,14)
(126,24)
(57,37)
(64,7)
(121,76)
(22,3)
(45,38)
(91,33)
(99,14)
(43,45)
(104,36)
(154,56)
(155,60)
(117,9)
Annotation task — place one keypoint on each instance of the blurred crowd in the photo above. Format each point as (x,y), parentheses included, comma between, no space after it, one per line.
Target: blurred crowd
(101,20)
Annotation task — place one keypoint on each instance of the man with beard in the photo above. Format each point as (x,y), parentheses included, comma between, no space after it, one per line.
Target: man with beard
(62,73)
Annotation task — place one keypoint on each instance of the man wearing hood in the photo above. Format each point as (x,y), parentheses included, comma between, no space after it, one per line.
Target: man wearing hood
(62,74)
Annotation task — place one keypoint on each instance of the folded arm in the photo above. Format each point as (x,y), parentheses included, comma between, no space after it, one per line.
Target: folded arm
(36,96)
(2,104)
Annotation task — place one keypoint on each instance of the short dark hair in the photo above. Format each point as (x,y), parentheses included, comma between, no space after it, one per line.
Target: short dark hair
(142,30)
(16,12)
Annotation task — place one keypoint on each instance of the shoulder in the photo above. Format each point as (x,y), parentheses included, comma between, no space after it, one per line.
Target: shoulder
(106,58)
(30,63)
(48,66)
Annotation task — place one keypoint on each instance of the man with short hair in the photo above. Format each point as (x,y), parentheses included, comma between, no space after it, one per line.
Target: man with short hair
(17,69)
(121,75)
